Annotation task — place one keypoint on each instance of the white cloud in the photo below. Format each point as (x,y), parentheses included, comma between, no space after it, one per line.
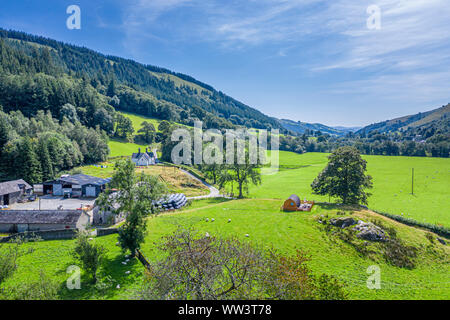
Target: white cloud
(408,57)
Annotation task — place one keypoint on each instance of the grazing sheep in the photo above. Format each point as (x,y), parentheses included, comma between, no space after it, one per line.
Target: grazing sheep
(229,220)
(247,235)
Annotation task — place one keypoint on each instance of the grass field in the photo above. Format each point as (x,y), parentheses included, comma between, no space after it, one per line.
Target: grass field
(267,226)
(391,180)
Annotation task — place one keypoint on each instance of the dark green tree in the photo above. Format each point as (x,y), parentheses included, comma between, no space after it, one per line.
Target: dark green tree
(45,161)
(89,253)
(148,132)
(28,167)
(344,177)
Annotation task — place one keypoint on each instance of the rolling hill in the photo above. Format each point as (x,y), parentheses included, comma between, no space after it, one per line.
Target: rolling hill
(300,127)
(410,121)
(57,71)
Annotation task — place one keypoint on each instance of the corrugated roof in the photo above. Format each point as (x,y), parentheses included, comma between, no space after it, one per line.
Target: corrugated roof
(12,186)
(68,217)
(83,179)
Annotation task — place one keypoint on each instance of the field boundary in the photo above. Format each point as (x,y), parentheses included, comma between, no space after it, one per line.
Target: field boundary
(440,230)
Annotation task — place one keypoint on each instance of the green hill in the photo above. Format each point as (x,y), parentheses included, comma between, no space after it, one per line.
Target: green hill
(411,121)
(58,69)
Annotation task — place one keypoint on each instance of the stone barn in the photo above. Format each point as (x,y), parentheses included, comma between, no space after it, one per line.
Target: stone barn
(12,191)
(12,221)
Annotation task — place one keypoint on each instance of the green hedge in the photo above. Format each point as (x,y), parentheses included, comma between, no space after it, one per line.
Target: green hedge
(440,230)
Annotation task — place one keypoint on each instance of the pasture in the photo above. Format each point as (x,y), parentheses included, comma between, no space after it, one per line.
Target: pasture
(391,180)
(266,227)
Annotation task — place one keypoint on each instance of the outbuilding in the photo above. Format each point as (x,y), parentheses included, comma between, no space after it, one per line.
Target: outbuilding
(78,185)
(12,221)
(293,203)
(12,191)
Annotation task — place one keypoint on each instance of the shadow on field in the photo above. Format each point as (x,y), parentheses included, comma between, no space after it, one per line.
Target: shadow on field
(111,274)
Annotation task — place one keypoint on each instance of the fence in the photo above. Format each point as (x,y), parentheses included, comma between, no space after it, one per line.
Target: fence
(142,259)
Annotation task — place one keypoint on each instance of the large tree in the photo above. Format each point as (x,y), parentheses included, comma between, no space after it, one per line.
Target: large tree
(136,197)
(242,173)
(344,177)
(148,132)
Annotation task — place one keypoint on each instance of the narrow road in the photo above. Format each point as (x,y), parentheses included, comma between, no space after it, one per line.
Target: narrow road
(213,192)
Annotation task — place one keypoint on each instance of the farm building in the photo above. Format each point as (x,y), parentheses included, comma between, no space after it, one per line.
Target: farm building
(107,215)
(12,221)
(12,191)
(144,158)
(79,185)
(293,203)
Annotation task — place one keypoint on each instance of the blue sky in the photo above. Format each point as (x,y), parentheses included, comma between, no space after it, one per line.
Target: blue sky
(307,60)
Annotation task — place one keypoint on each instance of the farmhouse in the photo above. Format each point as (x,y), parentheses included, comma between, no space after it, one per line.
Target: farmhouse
(293,203)
(144,158)
(12,191)
(41,220)
(79,185)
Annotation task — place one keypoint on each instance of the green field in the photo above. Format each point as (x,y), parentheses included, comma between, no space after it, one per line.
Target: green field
(266,225)
(119,147)
(391,180)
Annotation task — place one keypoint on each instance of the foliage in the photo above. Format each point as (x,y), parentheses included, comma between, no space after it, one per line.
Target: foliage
(45,288)
(89,254)
(344,177)
(209,268)
(136,197)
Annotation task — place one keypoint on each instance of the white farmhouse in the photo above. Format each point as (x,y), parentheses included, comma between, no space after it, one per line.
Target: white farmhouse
(144,158)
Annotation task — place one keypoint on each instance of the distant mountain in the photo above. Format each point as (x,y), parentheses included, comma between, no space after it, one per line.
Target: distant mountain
(411,121)
(300,127)
(347,129)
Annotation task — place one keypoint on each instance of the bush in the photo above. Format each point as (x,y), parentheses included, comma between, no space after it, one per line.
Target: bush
(209,268)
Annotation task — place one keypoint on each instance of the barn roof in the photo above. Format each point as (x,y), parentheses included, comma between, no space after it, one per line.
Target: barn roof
(83,179)
(13,186)
(68,217)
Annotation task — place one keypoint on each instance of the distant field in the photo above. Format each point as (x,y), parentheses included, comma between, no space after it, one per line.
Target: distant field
(391,179)
(119,148)
(122,148)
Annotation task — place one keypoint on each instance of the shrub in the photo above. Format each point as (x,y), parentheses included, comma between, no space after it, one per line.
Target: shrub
(205,267)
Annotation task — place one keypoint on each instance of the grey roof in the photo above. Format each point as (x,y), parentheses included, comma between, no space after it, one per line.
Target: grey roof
(138,155)
(13,186)
(83,179)
(68,217)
